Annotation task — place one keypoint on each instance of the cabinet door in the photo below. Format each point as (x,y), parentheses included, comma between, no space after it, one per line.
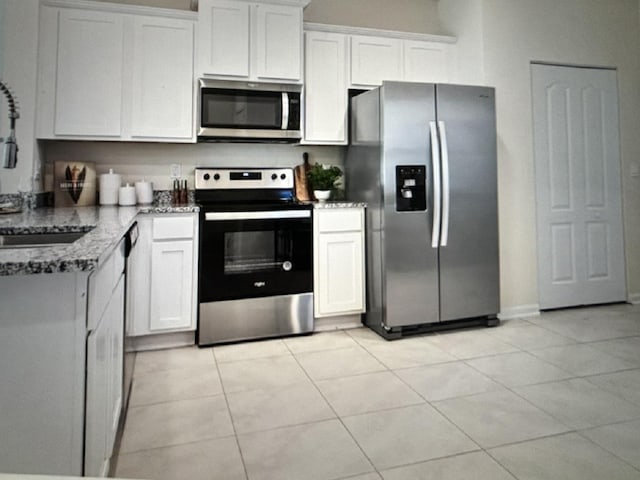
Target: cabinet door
(278,42)
(115,316)
(104,385)
(223,38)
(425,62)
(97,401)
(374,59)
(325,118)
(138,275)
(172,286)
(162,103)
(88,98)
(340,276)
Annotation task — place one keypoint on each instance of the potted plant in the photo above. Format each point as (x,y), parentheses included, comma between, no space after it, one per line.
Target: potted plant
(323,179)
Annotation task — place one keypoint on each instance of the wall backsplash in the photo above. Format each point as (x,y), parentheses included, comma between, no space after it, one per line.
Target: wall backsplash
(152,161)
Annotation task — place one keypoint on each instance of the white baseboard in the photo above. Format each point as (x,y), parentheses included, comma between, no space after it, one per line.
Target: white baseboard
(634,298)
(520,311)
(342,322)
(163,340)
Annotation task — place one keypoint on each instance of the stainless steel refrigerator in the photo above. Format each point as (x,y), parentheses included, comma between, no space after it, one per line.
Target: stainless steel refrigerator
(423,157)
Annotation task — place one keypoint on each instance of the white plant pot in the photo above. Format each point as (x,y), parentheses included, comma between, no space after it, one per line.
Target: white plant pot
(322,195)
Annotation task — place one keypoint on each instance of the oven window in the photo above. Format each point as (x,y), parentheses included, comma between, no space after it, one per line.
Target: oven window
(248,252)
(240,109)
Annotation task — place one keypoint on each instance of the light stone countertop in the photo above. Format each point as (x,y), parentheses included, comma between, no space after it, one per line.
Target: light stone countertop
(105,226)
(338,204)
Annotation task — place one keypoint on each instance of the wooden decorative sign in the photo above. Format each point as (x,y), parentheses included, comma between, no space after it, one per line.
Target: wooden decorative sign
(74,184)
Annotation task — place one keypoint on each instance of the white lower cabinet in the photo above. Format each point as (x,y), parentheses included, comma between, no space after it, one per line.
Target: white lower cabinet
(104,386)
(339,277)
(165,274)
(61,375)
(172,285)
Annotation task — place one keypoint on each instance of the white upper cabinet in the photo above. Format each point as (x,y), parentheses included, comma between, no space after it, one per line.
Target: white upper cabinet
(223,38)
(325,94)
(162,100)
(89,73)
(279,42)
(250,40)
(374,59)
(115,72)
(426,61)
(337,58)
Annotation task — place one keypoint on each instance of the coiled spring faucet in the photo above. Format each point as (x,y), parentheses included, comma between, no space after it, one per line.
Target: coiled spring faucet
(10,156)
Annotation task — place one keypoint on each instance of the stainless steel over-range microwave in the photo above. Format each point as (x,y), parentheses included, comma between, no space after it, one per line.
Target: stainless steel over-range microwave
(248,111)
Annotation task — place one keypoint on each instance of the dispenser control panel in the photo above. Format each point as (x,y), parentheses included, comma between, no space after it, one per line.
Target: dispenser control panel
(411,188)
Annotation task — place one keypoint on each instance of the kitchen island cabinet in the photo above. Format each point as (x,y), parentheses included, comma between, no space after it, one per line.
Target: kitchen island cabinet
(61,343)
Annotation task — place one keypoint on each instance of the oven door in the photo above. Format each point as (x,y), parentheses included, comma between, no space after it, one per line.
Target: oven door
(255,254)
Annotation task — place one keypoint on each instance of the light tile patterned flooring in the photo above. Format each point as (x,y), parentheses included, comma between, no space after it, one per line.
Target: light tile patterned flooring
(549,397)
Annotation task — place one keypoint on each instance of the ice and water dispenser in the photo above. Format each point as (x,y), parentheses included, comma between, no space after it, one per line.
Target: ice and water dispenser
(411,190)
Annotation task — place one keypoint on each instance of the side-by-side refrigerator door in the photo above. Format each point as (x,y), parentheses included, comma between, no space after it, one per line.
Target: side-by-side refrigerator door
(469,268)
(410,262)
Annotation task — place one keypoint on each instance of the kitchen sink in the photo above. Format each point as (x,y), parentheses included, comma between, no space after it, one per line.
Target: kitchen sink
(32,240)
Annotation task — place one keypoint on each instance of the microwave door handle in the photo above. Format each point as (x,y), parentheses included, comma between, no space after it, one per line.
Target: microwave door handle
(285,111)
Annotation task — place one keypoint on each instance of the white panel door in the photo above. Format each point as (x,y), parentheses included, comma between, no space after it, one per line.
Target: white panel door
(340,279)
(578,186)
(162,78)
(278,42)
(325,118)
(223,38)
(374,59)
(425,62)
(89,73)
(171,285)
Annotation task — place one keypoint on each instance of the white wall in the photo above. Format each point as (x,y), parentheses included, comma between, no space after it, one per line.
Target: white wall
(153,160)
(419,16)
(463,19)
(19,34)
(574,32)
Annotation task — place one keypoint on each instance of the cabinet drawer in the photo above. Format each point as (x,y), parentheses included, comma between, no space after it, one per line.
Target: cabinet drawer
(165,228)
(340,220)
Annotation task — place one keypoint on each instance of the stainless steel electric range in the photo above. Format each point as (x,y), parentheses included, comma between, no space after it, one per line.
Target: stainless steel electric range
(256,260)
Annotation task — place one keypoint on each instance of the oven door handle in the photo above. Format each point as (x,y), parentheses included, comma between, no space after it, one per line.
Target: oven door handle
(284,214)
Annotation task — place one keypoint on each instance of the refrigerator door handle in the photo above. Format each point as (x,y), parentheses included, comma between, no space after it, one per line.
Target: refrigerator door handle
(444,237)
(435,165)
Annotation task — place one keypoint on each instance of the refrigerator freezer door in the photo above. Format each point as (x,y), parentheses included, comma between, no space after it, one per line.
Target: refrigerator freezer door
(469,268)
(409,262)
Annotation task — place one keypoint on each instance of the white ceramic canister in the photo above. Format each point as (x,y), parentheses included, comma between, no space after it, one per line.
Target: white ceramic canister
(127,195)
(109,188)
(144,192)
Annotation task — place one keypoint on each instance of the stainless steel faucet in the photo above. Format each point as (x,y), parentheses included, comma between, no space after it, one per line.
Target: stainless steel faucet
(10,156)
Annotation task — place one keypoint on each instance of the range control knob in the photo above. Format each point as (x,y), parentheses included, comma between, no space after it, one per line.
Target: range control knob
(216,176)
(274,176)
(283,176)
(206,176)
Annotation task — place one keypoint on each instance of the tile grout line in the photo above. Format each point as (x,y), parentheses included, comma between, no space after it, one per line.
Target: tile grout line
(336,414)
(233,426)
